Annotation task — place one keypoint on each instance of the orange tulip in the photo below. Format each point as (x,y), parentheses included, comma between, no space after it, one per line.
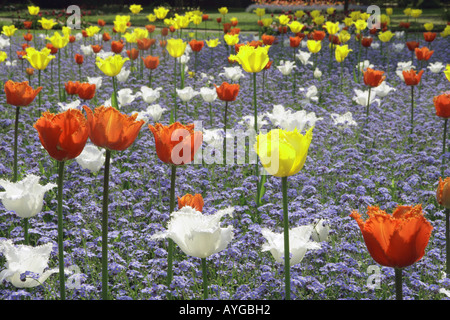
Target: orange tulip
(86,91)
(412,45)
(79,58)
(20,94)
(294,42)
(373,78)
(268,40)
(227,92)
(194,201)
(133,54)
(63,135)
(28,36)
(423,53)
(111,129)
(164,32)
(52,48)
(151,62)
(366,41)
(411,78)
(396,240)
(117,46)
(442,105)
(72,87)
(29,71)
(96,48)
(318,35)
(106,37)
(177,143)
(27,24)
(442,192)
(429,36)
(101,22)
(72,38)
(150,28)
(196,45)
(145,43)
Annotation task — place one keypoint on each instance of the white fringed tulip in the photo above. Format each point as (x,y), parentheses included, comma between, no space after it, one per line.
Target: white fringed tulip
(153,111)
(361,97)
(232,73)
(91,158)
(95,80)
(286,67)
(208,94)
(71,105)
(343,121)
(383,90)
(125,97)
(186,93)
(320,232)
(123,75)
(150,95)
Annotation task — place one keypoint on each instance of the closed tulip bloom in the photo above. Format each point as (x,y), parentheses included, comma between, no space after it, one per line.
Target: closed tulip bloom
(227,92)
(443,192)
(145,43)
(314,46)
(176,47)
(231,39)
(442,105)
(52,48)
(332,28)
(208,94)
(28,37)
(283,153)
(296,26)
(20,94)
(366,41)
(267,40)
(398,240)
(96,48)
(360,25)
(412,45)
(111,129)
(385,36)
(133,54)
(223,10)
(86,91)
(196,45)
(72,87)
(79,58)
(38,59)
(117,46)
(63,135)
(373,78)
(429,36)
(135,8)
(120,26)
(177,143)
(447,72)
(151,62)
(161,12)
(411,77)
(252,59)
(193,201)
(294,42)
(106,37)
(423,53)
(112,65)
(341,52)
(33,10)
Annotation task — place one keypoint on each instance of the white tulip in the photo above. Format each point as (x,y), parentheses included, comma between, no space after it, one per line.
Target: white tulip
(198,235)
(150,95)
(320,232)
(125,96)
(375,45)
(4,43)
(232,73)
(299,243)
(343,121)
(186,94)
(123,75)
(249,121)
(184,59)
(361,97)
(286,67)
(383,90)
(87,50)
(153,111)
(23,258)
(436,67)
(285,119)
(399,34)
(208,94)
(317,73)
(91,158)
(95,80)
(24,197)
(66,106)
(363,65)
(304,56)
(398,47)
(78,36)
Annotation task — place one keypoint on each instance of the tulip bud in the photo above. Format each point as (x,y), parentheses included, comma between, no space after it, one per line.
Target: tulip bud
(443,192)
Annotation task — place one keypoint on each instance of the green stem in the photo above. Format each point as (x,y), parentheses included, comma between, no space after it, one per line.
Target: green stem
(105,226)
(59,74)
(225,134)
(210,113)
(287,277)
(398,284)
(62,285)
(205,279)
(444,146)
(173,113)
(171,244)
(16,133)
(367,107)
(412,108)
(39,94)
(258,187)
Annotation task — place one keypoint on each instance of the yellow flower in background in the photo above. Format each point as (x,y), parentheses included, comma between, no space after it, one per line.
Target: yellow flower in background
(299,13)
(169,22)
(191,34)
(212,43)
(348,21)
(296,26)
(234,19)
(151,17)
(231,39)
(446,31)
(58,41)
(283,153)
(260,12)
(447,72)
(384,18)
(360,25)
(176,47)
(252,59)
(428,26)
(319,20)
(120,26)
(341,52)
(38,59)
(136,8)
(181,22)
(161,12)
(33,10)
(355,15)
(140,33)
(112,65)
(385,36)
(314,46)
(331,10)
(364,16)
(9,30)
(92,30)
(283,19)
(196,19)
(332,28)
(130,37)
(66,31)
(267,22)
(415,13)
(3,56)
(407,11)
(389,11)
(315,13)
(47,24)
(344,36)
(223,10)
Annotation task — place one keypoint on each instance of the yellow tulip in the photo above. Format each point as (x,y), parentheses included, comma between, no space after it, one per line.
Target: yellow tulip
(112,65)
(196,20)
(267,22)
(176,47)
(223,10)
(260,12)
(58,41)
(344,36)
(124,18)
(181,22)
(385,36)
(407,11)
(66,31)
(447,72)
(296,26)
(315,13)
(348,21)
(231,39)
(314,46)
(283,19)
(33,10)
(140,33)
(47,24)
(161,12)
(151,17)
(364,16)
(135,8)
(130,37)
(319,20)
(252,59)
(299,13)
(120,26)
(355,15)
(428,26)
(283,153)
(92,31)
(445,32)
(332,28)
(38,59)
(234,19)
(389,11)
(331,10)
(360,25)
(212,43)
(341,52)
(9,30)
(415,13)
(385,19)
(3,56)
